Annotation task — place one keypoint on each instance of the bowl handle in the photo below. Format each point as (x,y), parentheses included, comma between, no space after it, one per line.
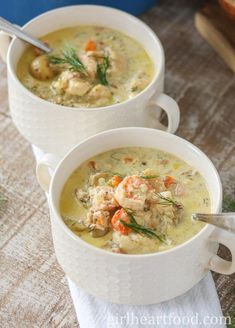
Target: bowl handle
(216,263)
(5,40)
(170,106)
(44,170)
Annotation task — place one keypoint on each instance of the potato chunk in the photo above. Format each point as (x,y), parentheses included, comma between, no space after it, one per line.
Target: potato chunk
(71,83)
(100,95)
(78,87)
(40,68)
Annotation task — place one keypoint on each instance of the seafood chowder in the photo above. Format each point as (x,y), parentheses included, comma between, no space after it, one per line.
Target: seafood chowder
(134,200)
(90,66)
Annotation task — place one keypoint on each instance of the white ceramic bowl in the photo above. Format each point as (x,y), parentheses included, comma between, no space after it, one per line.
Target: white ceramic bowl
(135,279)
(56,128)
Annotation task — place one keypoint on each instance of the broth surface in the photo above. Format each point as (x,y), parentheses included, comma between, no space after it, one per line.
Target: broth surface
(114,67)
(157,189)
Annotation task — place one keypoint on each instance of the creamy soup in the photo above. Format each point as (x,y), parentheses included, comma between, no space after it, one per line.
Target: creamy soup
(90,66)
(134,201)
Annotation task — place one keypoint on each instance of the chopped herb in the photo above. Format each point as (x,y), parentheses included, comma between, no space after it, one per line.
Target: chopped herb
(84,203)
(149,177)
(206,201)
(133,89)
(138,228)
(102,70)
(34,88)
(169,201)
(70,58)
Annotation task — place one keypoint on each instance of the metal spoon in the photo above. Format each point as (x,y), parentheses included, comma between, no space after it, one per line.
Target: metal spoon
(16,31)
(225,221)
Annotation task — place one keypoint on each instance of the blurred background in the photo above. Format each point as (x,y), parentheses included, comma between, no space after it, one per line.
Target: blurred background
(19,12)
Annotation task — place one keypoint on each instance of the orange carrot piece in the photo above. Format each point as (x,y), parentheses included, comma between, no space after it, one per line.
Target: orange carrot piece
(168,181)
(116,179)
(90,46)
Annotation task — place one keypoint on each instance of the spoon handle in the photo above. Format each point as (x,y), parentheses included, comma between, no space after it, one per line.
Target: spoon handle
(13,30)
(225,221)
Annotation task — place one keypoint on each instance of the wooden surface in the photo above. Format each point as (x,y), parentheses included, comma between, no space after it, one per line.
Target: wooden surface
(218,29)
(33,289)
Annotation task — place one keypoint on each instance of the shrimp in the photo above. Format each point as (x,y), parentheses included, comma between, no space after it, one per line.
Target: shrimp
(132,192)
(118,225)
(90,63)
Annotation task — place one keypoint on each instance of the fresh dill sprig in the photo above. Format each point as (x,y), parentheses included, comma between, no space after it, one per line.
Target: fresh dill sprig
(102,70)
(149,177)
(169,201)
(70,58)
(138,228)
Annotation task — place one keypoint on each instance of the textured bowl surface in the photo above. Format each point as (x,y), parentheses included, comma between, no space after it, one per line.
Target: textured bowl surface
(133,279)
(56,128)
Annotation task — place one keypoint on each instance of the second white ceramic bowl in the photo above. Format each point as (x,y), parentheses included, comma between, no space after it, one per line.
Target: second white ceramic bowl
(135,279)
(56,128)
